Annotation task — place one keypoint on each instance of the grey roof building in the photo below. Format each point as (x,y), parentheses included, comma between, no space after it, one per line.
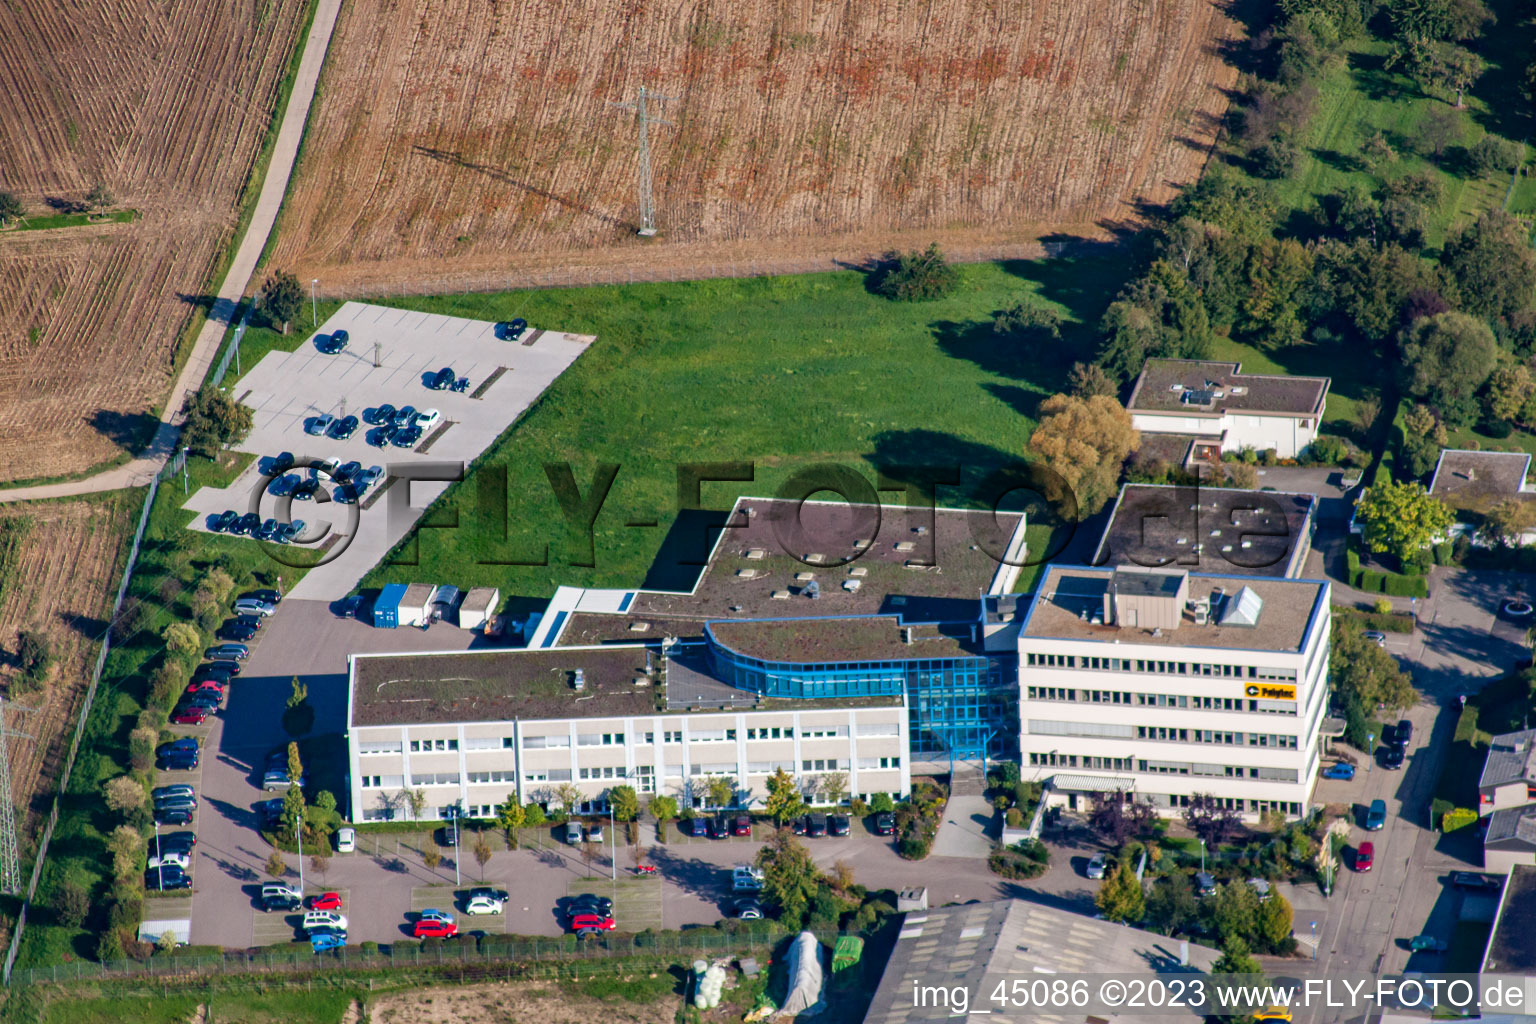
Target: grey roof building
(1509,773)
(1209,529)
(977,945)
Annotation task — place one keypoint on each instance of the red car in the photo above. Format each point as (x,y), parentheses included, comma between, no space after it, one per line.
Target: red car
(434,928)
(325,901)
(1365,856)
(591,923)
(199,685)
(741,825)
(190,716)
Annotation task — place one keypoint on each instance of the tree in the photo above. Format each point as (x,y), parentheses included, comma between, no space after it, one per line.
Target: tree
(276,866)
(784,800)
(416,800)
(100,197)
(1277,158)
(1211,820)
(881,803)
(482,851)
(10,207)
(34,652)
(1457,68)
(510,817)
(1446,359)
(320,863)
(1085,442)
(1235,959)
(431,857)
(1364,674)
(123,794)
(1423,437)
(1233,911)
(1120,897)
(916,276)
(1401,519)
(214,420)
(72,903)
(1437,129)
(1117,819)
(293,808)
(298,694)
(1508,389)
(568,795)
(834,787)
(791,880)
(1027,322)
(720,791)
(1493,153)
(533,815)
(1085,380)
(283,298)
(182,639)
(125,840)
(141,748)
(625,803)
(1376,151)
(1507,520)
(1273,927)
(663,808)
(1493,265)
(1171,904)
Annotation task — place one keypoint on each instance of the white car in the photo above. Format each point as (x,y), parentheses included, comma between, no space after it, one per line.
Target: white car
(595,834)
(483,905)
(1096,866)
(746,878)
(346,840)
(171,859)
(325,919)
(428,419)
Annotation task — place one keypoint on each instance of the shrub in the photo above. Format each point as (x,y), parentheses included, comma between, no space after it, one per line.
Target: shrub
(1492,153)
(913,847)
(1028,859)
(916,276)
(1445,553)
(1277,158)
(1013,818)
(1458,817)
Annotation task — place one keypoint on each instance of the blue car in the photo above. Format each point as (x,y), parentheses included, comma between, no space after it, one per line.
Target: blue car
(324,940)
(1342,770)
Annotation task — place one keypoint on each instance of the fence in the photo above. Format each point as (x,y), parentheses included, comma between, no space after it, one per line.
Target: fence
(74,741)
(516,957)
(231,351)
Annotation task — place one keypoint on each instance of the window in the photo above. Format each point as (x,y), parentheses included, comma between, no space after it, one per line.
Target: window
(775,733)
(435,779)
(379,747)
(487,742)
(370,782)
(546,742)
(890,762)
(824,732)
(496,776)
(672,736)
(708,736)
(879,729)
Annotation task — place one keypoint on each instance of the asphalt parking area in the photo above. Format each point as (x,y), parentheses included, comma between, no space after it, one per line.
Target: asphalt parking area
(636,901)
(390,356)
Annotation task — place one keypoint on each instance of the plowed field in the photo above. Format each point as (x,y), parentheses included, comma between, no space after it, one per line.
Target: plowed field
(61,579)
(167,104)
(459,142)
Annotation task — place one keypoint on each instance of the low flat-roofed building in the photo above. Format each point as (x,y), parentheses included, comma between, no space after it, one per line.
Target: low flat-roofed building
(1164,684)
(1482,479)
(1216,400)
(468,728)
(974,948)
(1512,943)
(1509,772)
(1209,529)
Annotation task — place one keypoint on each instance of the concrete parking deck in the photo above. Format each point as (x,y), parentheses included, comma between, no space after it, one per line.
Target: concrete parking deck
(390,355)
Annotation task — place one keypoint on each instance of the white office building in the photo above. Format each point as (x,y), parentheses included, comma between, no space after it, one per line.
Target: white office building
(1219,407)
(1163,684)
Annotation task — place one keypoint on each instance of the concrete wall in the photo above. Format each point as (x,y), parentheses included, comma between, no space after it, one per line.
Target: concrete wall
(1501,861)
(1511,794)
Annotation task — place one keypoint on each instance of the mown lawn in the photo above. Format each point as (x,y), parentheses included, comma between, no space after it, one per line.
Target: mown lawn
(782,373)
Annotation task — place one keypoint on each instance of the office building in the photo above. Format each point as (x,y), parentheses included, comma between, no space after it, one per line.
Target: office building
(1221,409)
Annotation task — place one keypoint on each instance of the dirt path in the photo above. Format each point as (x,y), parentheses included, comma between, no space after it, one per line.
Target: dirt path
(543,1003)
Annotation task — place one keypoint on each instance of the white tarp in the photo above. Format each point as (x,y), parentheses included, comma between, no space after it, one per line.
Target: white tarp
(805,977)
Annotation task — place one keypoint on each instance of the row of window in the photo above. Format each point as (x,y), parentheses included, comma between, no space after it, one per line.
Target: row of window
(1230,739)
(1160,700)
(1095,663)
(1231,803)
(608,739)
(1124,764)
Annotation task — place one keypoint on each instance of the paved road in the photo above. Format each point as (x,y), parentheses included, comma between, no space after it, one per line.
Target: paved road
(237,279)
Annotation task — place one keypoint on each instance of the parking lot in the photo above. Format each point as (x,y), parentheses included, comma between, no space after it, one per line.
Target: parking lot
(389,359)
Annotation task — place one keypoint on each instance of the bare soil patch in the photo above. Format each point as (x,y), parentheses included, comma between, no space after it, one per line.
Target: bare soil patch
(534,1003)
(458,146)
(166,104)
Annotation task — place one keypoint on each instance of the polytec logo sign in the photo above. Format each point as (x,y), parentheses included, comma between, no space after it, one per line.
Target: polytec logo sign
(1271,691)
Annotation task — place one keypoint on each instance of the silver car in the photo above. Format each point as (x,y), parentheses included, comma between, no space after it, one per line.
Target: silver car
(251,606)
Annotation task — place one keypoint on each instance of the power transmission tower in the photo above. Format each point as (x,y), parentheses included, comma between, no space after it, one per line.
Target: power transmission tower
(647,206)
(10,855)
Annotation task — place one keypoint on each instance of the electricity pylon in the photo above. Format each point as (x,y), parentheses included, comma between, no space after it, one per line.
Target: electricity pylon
(647,205)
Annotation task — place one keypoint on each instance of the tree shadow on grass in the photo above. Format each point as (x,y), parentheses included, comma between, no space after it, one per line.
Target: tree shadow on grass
(1505,46)
(130,431)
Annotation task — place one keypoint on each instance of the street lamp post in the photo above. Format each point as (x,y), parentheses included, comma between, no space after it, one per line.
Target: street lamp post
(1202,856)
(613,844)
(454,812)
(1370,748)
(161,867)
(298,830)
(185,487)
(314,309)
(1314,940)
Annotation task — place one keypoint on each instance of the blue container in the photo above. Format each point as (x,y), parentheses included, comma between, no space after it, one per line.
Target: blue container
(386,610)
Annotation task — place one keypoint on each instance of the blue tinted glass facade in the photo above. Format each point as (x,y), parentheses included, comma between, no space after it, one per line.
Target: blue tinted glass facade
(965,707)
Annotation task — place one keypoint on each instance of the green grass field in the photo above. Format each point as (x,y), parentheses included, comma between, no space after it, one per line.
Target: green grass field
(780,372)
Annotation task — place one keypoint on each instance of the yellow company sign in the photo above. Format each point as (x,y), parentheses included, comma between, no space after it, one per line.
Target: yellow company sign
(1272,691)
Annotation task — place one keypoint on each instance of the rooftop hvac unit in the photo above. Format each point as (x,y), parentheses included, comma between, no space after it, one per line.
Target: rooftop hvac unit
(1175,388)
(579,680)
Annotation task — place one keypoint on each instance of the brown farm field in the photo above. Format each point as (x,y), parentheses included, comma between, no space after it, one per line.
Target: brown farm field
(458,145)
(168,106)
(58,574)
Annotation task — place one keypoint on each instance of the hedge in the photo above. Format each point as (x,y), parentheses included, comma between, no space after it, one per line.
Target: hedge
(1458,817)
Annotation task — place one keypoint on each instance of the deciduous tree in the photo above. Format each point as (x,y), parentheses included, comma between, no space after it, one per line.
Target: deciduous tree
(1117,819)
(182,639)
(1493,265)
(1120,897)
(1028,322)
(1446,360)
(1272,929)
(1507,520)
(624,802)
(834,788)
(791,880)
(1085,380)
(100,197)
(784,800)
(1209,819)
(721,791)
(482,852)
(1508,389)
(123,793)
(1363,673)
(917,276)
(214,420)
(1401,519)
(282,298)
(10,207)
(1171,904)
(1085,442)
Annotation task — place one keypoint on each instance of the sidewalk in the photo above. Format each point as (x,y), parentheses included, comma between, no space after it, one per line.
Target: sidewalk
(237,280)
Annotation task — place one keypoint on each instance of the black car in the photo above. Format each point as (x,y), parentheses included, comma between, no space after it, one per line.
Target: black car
(209,699)
(405,416)
(167,878)
(236,630)
(598,904)
(227,652)
(350,606)
(271,811)
(443,379)
(249,523)
(1475,882)
(798,825)
(815,826)
(406,438)
(446,836)
(221,670)
(838,825)
(885,824)
(337,342)
(284,903)
(173,842)
(173,815)
(344,428)
(460,386)
(379,436)
(347,471)
(1392,758)
(177,761)
(383,414)
(719,827)
(698,828)
(281,463)
(1403,733)
(225,521)
(511,330)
